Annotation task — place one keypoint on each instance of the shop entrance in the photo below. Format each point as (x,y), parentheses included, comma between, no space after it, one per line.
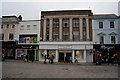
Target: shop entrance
(61,57)
(63,54)
(31,54)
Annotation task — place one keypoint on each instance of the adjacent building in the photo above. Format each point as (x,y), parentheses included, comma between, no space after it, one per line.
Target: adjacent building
(66,33)
(8,26)
(28,34)
(106,34)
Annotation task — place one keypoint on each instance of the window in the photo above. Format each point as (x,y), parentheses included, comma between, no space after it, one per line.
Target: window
(2,26)
(65,23)
(11,36)
(75,22)
(7,26)
(13,26)
(113,39)
(22,26)
(101,39)
(34,26)
(76,36)
(55,36)
(2,36)
(55,23)
(65,36)
(111,24)
(28,26)
(100,25)
(47,35)
(48,23)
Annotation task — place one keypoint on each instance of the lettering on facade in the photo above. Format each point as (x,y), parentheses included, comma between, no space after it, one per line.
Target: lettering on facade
(64,47)
(27,47)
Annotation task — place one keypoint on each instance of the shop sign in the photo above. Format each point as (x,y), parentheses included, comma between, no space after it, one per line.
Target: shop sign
(65,47)
(27,47)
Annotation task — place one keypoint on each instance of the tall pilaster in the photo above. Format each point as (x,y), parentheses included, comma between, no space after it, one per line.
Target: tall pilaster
(81,37)
(44,30)
(60,29)
(50,31)
(87,28)
(71,36)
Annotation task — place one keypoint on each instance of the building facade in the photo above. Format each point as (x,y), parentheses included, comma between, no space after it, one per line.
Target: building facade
(7,35)
(66,33)
(106,34)
(28,34)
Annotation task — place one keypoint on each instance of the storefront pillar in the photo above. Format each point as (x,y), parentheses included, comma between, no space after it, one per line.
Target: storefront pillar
(73,55)
(56,52)
(84,55)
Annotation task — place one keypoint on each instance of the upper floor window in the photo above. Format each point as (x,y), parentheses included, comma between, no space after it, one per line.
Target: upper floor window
(2,26)
(55,36)
(55,23)
(48,23)
(101,39)
(13,26)
(35,26)
(28,26)
(75,22)
(113,40)
(65,23)
(11,36)
(100,25)
(111,24)
(84,22)
(7,26)
(22,26)
(65,36)
(2,36)
(76,36)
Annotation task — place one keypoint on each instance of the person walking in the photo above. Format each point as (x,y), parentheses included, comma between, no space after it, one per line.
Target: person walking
(70,59)
(45,57)
(76,61)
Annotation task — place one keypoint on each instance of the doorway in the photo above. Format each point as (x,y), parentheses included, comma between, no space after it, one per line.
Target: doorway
(31,54)
(61,57)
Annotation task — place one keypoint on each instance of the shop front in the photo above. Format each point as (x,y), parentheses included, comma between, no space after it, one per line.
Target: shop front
(31,50)
(62,50)
(106,50)
(8,49)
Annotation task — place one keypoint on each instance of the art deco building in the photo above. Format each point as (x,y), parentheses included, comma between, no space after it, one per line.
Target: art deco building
(66,33)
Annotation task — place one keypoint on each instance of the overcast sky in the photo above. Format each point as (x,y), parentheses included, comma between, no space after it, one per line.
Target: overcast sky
(30,10)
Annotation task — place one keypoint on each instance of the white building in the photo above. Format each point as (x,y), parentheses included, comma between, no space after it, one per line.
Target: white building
(66,33)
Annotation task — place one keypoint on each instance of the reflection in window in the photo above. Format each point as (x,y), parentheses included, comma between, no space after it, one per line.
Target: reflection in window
(79,54)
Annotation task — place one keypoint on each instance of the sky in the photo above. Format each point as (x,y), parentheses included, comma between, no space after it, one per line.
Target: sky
(31,9)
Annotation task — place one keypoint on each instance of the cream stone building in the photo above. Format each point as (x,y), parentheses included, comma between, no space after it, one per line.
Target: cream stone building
(28,34)
(66,33)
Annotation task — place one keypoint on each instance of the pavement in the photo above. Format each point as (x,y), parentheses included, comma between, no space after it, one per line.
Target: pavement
(21,69)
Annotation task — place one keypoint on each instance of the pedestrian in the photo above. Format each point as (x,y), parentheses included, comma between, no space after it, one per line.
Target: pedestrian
(76,60)
(52,57)
(3,57)
(24,57)
(45,57)
(27,57)
(70,59)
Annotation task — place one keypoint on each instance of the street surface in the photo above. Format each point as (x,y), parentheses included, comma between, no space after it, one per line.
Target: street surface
(20,69)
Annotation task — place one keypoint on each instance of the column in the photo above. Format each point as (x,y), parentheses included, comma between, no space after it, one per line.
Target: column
(44,30)
(50,31)
(85,55)
(56,55)
(35,56)
(39,54)
(87,28)
(60,29)
(81,37)
(73,56)
(71,36)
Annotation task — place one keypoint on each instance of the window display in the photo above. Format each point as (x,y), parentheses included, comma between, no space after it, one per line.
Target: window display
(27,38)
(21,52)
